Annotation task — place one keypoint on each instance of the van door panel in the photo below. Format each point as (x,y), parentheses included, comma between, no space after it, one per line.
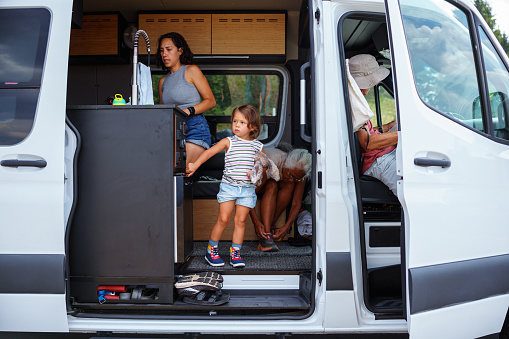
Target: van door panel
(33,77)
(455,237)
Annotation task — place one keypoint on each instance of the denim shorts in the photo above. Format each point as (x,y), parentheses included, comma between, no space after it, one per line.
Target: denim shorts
(242,195)
(197,131)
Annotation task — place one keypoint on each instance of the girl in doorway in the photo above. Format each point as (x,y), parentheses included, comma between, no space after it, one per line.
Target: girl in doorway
(236,190)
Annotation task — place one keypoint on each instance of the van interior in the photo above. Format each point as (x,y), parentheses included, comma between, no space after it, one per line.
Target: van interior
(137,224)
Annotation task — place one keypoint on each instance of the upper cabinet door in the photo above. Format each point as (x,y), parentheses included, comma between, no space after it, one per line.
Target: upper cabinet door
(453,172)
(33,85)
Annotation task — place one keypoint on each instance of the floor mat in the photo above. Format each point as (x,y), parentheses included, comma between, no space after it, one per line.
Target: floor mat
(288,258)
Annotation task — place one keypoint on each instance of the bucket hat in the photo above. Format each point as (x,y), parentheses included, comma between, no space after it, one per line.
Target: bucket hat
(366,71)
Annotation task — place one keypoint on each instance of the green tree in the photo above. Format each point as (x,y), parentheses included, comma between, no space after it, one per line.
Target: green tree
(484,7)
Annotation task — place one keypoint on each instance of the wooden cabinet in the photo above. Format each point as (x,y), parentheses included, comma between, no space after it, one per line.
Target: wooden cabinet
(248,34)
(100,35)
(219,34)
(195,28)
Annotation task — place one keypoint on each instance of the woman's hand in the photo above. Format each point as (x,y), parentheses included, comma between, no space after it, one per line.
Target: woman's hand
(191,168)
(280,233)
(259,230)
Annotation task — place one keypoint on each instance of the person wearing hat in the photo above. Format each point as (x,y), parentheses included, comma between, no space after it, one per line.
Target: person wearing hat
(379,149)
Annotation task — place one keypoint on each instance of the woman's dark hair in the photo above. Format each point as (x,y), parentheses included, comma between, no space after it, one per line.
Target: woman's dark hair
(252,116)
(186,58)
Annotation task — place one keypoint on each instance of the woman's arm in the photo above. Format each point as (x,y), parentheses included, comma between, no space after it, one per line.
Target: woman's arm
(376,141)
(258,226)
(161,81)
(388,126)
(223,144)
(298,194)
(195,76)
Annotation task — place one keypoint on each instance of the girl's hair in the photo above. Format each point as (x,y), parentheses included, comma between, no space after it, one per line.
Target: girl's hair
(186,58)
(252,116)
(299,158)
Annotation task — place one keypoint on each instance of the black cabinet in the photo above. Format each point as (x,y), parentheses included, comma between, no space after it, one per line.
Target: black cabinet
(131,222)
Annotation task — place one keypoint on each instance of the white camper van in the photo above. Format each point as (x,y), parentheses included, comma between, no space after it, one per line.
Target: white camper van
(93,196)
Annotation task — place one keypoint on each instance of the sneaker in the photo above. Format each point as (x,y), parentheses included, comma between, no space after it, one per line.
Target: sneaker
(268,245)
(235,259)
(213,257)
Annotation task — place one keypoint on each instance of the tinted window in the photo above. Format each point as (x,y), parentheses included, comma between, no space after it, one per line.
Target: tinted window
(22,51)
(22,46)
(442,58)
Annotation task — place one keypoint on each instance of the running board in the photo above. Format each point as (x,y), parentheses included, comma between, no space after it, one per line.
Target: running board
(254,302)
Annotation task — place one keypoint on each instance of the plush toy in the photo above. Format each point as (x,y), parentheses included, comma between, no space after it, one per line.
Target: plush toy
(261,161)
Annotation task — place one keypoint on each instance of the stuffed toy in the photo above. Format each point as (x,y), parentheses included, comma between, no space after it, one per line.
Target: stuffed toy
(260,161)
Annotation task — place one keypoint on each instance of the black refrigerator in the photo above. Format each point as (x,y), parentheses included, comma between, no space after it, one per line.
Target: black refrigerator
(132,214)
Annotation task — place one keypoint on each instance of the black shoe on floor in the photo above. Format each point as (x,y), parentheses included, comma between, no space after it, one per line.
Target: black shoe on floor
(268,245)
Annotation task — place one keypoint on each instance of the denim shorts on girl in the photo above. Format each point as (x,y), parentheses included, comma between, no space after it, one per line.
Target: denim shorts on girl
(197,131)
(242,195)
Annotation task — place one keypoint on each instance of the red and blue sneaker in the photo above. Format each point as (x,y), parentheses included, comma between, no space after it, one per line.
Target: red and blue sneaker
(213,257)
(235,259)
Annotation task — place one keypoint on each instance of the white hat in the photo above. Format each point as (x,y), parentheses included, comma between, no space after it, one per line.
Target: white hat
(366,71)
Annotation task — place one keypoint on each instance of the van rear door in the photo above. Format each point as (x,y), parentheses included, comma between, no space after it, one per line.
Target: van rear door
(33,80)
(454,171)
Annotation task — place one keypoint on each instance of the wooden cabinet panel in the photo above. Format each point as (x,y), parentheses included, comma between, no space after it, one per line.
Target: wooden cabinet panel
(99,35)
(195,28)
(248,34)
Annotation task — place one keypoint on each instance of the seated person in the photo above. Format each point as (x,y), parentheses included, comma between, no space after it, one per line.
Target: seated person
(294,168)
(379,149)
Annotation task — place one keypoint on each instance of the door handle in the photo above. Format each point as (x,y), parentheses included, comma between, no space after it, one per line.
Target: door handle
(428,162)
(23,163)
(303,133)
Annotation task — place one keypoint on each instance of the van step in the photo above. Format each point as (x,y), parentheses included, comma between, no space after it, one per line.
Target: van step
(288,258)
(248,301)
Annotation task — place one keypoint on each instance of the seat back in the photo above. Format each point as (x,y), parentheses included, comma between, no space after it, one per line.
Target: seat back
(372,190)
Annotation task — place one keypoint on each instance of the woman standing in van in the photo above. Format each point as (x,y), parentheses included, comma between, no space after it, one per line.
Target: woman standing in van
(183,86)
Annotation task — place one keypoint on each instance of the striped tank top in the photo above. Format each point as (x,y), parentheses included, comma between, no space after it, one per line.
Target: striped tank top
(238,160)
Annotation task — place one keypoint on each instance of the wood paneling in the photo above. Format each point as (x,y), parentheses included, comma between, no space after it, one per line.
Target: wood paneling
(247,34)
(195,28)
(205,215)
(99,36)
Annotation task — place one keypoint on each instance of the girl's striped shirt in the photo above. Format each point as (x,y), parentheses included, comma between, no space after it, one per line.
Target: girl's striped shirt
(239,160)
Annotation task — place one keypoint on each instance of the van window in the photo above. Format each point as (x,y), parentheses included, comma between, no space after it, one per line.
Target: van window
(231,88)
(387,105)
(442,58)
(498,82)
(22,47)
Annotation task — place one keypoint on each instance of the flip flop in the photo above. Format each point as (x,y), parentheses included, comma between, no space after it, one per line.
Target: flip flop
(205,298)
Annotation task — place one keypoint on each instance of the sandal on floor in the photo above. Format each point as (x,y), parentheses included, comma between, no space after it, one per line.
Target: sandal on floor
(204,281)
(208,298)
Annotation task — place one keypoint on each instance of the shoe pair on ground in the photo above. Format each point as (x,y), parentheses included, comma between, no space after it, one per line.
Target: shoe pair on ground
(215,260)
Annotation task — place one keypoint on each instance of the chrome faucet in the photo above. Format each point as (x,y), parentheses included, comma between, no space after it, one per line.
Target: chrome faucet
(134,88)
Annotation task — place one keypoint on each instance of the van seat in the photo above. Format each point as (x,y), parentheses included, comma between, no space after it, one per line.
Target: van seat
(208,177)
(372,190)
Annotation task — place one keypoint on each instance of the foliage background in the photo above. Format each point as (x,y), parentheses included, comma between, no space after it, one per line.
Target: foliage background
(486,11)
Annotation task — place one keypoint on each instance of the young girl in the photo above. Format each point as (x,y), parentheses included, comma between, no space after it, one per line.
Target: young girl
(236,187)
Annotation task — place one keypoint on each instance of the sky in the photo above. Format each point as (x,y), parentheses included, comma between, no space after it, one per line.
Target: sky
(500,9)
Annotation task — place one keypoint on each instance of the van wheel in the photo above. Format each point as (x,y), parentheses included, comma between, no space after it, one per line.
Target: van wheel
(504,334)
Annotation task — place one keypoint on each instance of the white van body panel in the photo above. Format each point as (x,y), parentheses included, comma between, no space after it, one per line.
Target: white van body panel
(467,221)
(33,313)
(32,199)
(468,320)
